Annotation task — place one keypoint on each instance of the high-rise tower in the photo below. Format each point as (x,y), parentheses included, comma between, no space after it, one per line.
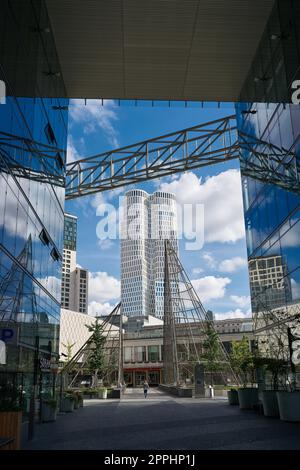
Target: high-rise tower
(147,220)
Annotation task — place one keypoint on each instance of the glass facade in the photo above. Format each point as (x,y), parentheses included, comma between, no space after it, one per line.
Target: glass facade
(33,133)
(272,214)
(70,232)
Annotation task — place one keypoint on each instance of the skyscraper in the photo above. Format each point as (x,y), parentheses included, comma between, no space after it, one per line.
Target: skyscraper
(74,288)
(147,220)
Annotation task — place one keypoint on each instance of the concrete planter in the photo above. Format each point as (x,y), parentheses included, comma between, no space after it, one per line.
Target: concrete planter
(233,398)
(248,398)
(48,412)
(102,394)
(289,406)
(114,393)
(67,405)
(270,403)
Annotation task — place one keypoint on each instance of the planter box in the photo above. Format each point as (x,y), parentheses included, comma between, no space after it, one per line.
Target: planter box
(67,405)
(49,413)
(10,426)
(114,393)
(289,406)
(102,394)
(233,397)
(270,403)
(248,398)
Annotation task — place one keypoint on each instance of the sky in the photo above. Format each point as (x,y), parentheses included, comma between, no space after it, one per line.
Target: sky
(218,269)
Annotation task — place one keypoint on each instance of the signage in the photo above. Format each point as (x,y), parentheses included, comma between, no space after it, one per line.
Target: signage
(45,364)
(9,334)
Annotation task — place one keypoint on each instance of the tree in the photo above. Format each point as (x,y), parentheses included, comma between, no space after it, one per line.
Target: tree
(96,358)
(242,359)
(211,350)
(69,347)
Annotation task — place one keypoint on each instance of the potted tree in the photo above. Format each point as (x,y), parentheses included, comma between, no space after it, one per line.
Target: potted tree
(49,410)
(275,367)
(102,392)
(96,357)
(289,404)
(243,362)
(10,414)
(233,397)
(67,403)
(289,399)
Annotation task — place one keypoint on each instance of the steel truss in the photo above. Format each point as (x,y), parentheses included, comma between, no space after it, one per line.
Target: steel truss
(206,144)
(185,324)
(195,147)
(26,158)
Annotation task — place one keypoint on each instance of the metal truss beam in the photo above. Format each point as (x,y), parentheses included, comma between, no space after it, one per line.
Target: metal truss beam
(26,158)
(206,144)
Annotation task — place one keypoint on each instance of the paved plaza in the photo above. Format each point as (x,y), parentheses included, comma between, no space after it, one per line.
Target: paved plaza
(163,422)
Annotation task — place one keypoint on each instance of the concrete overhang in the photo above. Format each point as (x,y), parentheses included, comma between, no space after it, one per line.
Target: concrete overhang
(157,49)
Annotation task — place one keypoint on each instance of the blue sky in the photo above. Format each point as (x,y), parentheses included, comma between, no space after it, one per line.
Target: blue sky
(218,269)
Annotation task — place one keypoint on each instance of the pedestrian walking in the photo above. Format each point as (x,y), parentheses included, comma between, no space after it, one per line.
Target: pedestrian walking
(146,388)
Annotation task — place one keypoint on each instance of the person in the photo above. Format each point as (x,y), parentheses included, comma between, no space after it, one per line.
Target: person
(146,388)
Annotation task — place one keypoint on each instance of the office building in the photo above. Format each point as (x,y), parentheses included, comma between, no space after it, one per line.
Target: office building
(32,200)
(148,220)
(248,53)
(69,261)
(272,216)
(270,285)
(74,290)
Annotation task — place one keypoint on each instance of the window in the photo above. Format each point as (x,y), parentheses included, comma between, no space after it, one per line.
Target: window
(44,237)
(55,254)
(153,353)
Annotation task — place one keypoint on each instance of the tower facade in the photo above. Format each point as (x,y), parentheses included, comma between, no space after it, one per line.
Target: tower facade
(147,221)
(74,290)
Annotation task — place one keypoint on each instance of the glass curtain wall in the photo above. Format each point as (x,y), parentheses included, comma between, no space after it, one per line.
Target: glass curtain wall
(272,214)
(33,135)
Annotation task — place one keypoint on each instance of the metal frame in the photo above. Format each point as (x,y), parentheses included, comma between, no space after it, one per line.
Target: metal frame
(184,313)
(206,144)
(209,143)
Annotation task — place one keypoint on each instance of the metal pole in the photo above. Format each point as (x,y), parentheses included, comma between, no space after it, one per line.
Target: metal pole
(34,389)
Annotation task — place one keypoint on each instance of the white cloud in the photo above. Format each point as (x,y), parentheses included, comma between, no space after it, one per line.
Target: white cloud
(222,198)
(209,259)
(242,301)
(106,244)
(232,265)
(97,308)
(198,270)
(210,287)
(72,152)
(238,313)
(94,117)
(103,288)
(295,289)
(291,238)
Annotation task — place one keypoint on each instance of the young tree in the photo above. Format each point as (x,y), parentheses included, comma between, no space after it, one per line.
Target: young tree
(242,360)
(211,353)
(96,358)
(69,347)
